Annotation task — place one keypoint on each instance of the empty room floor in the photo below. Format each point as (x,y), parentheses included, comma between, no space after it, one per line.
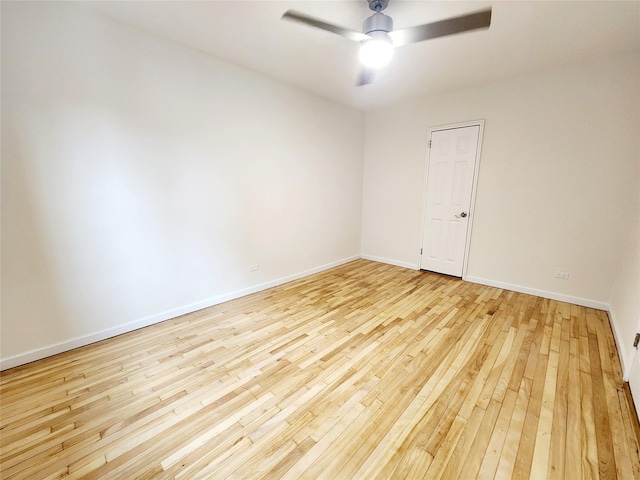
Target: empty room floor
(364,371)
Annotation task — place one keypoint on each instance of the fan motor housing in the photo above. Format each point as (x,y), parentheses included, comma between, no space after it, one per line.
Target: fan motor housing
(378,22)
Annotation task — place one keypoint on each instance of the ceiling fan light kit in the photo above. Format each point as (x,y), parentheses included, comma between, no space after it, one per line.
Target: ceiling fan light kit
(378,39)
(376,51)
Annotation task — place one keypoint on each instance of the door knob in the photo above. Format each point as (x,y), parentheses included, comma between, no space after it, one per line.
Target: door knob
(462,215)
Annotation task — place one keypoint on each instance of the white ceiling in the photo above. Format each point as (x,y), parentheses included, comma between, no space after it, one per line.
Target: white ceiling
(525,37)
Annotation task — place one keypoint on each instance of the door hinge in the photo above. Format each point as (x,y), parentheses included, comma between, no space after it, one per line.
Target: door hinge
(429,143)
(420,251)
(637,340)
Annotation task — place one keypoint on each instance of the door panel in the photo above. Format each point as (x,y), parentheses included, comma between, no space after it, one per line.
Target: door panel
(451,170)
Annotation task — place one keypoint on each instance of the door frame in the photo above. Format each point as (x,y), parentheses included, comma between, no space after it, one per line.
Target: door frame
(474,187)
(633,368)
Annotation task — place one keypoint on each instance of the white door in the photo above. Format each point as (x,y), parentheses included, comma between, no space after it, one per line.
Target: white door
(453,155)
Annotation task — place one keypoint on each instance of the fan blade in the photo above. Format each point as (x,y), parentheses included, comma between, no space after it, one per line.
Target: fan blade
(314,22)
(366,76)
(450,26)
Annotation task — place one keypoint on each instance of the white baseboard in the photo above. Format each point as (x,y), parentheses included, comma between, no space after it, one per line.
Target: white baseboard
(585,302)
(389,261)
(624,361)
(81,341)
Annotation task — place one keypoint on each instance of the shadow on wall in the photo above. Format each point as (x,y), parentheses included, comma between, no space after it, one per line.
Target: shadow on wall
(33,297)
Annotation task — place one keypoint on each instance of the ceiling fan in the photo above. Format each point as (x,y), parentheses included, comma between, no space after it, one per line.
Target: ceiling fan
(378,38)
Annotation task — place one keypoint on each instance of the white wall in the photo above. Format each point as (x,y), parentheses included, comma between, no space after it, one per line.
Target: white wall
(557,183)
(141,179)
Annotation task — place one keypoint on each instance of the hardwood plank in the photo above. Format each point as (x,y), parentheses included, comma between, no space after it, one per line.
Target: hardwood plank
(632,428)
(496,442)
(509,452)
(560,429)
(589,449)
(524,457)
(606,459)
(573,462)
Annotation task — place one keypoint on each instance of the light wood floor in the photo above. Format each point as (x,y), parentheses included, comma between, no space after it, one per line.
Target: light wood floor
(364,371)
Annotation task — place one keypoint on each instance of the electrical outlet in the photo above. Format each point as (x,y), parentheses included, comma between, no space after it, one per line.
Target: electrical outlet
(253,268)
(562,275)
